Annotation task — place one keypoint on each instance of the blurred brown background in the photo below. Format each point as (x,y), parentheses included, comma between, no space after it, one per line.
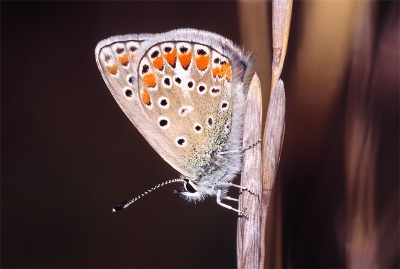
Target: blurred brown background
(69,154)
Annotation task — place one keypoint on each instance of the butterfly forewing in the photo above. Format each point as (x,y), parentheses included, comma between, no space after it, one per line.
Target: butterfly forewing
(118,60)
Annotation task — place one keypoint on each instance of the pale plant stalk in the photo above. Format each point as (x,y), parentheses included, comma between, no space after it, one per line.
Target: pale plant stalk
(251,243)
(281,16)
(248,229)
(259,161)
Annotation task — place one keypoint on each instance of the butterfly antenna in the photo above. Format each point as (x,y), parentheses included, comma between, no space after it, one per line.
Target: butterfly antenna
(127,203)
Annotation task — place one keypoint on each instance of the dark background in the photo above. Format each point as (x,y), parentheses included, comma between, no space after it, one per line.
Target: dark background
(69,154)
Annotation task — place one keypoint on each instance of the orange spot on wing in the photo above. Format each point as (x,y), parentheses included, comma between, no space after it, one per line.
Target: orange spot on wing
(202,61)
(221,72)
(185,59)
(171,57)
(223,69)
(123,59)
(146,97)
(149,80)
(112,69)
(215,71)
(132,56)
(158,63)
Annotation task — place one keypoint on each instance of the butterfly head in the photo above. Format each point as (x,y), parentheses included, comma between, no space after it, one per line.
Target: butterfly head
(191,191)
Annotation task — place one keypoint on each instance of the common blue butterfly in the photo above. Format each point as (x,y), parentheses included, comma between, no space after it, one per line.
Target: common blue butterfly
(185,92)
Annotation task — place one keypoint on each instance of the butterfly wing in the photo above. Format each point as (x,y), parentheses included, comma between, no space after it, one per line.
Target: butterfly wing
(179,90)
(117,59)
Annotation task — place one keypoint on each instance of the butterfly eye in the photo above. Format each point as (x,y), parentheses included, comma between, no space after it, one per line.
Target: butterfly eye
(188,187)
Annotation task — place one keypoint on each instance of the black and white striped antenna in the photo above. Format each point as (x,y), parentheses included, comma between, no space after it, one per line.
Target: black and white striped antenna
(125,204)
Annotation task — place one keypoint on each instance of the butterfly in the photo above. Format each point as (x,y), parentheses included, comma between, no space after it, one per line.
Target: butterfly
(185,91)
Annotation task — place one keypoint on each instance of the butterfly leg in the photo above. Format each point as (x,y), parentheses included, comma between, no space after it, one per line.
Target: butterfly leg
(240,150)
(228,184)
(230,151)
(241,213)
(231,199)
(252,146)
